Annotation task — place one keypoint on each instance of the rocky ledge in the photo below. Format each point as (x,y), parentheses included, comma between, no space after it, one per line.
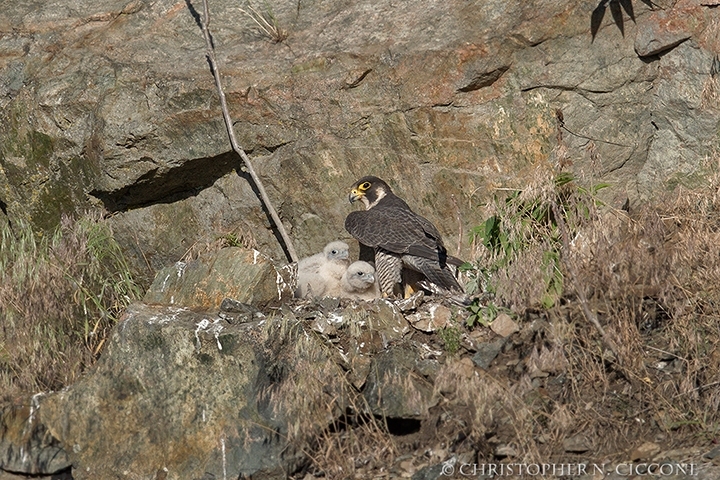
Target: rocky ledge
(199,386)
(196,385)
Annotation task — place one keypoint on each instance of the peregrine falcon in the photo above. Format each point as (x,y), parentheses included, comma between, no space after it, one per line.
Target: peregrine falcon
(358,282)
(401,239)
(319,275)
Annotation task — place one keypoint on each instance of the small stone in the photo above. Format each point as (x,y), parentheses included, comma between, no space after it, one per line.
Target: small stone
(432,472)
(713,455)
(646,451)
(388,322)
(576,444)
(505,451)
(432,320)
(503,325)
(486,353)
(322,324)
(537,373)
(359,370)
(466,368)
(412,302)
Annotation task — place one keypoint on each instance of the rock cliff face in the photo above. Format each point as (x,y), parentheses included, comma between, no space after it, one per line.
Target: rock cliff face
(177,395)
(186,390)
(112,105)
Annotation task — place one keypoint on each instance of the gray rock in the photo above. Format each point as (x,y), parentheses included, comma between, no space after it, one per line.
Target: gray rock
(112,106)
(576,444)
(665,29)
(486,352)
(431,472)
(26,445)
(713,455)
(234,311)
(178,392)
(243,275)
(394,389)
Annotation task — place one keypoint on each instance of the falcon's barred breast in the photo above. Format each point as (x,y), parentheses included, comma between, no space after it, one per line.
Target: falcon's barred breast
(400,238)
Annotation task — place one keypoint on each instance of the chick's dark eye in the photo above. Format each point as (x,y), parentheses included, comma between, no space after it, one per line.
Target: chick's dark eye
(334,252)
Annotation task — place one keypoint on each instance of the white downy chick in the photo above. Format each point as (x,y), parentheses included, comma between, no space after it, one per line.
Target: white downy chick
(319,275)
(359,283)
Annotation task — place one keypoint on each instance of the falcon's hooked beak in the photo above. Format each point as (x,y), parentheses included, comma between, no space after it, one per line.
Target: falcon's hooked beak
(355,195)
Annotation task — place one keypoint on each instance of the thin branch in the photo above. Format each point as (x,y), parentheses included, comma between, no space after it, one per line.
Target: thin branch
(205,22)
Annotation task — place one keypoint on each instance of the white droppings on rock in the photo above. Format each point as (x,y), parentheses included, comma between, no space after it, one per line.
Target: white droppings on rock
(213,327)
(180,267)
(164,283)
(224,459)
(173,314)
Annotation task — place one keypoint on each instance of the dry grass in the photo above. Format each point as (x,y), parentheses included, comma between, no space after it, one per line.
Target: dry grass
(61,293)
(239,236)
(265,22)
(651,277)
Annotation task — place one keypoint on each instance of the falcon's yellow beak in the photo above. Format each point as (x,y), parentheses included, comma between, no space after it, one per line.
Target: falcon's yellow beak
(359,192)
(355,195)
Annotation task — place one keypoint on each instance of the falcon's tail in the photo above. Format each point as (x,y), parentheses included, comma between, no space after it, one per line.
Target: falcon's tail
(454,260)
(442,276)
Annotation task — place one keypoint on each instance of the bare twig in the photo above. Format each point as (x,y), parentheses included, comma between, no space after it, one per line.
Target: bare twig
(461,233)
(205,22)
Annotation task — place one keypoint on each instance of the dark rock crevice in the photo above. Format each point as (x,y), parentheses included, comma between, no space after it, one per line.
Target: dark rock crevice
(168,185)
(484,79)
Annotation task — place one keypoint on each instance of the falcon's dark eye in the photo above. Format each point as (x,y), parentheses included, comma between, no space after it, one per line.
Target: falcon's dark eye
(365,186)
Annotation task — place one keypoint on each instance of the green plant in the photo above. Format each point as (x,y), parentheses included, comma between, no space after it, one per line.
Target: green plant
(522,236)
(480,314)
(450,337)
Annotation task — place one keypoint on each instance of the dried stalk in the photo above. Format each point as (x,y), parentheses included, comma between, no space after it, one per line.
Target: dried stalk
(589,314)
(269,28)
(205,22)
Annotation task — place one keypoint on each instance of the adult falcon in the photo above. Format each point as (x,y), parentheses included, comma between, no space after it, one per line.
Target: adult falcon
(401,239)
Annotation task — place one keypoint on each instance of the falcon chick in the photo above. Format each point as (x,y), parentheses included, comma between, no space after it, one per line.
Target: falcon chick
(319,275)
(401,239)
(358,282)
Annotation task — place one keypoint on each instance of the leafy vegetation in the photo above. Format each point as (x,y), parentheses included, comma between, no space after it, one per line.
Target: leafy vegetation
(61,293)
(524,223)
(451,337)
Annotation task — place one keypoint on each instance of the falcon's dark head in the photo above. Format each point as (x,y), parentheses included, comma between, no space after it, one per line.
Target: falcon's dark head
(369,190)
